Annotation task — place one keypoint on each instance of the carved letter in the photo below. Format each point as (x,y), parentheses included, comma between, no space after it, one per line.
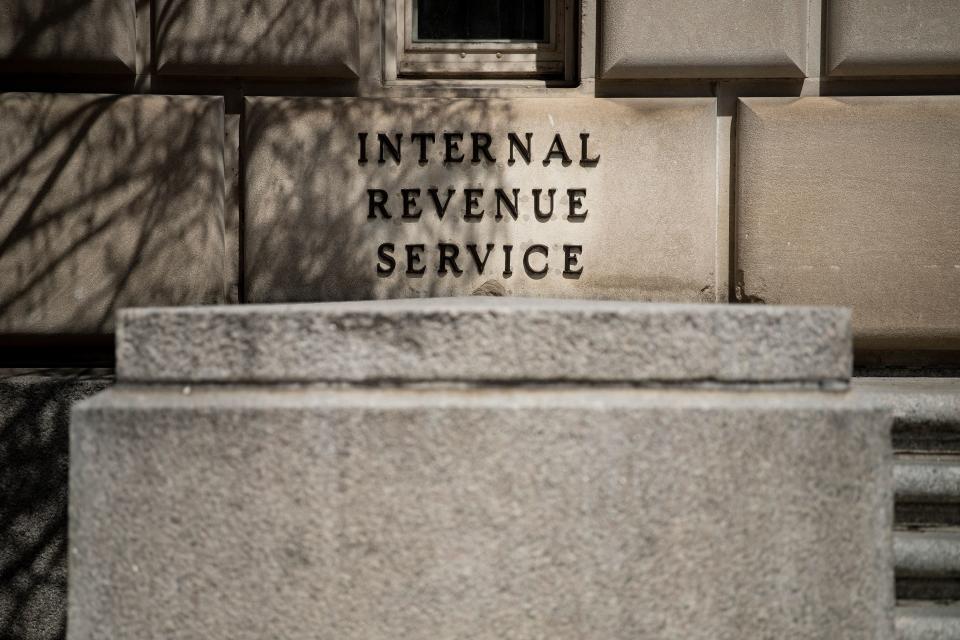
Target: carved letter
(387,144)
(471,196)
(423,138)
(448,254)
(570,260)
(533,273)
(452,146)
(363,147)
(507,270)
(410,202)
(585,159)
(413,260)
(516,144)
(435,196)
(557,150)
(576,202)
(472,248)
(503,199)
(387,262)
(538,214)
(376,202)
(481,144)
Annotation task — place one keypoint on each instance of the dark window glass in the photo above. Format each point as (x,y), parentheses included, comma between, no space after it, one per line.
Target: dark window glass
(481,20)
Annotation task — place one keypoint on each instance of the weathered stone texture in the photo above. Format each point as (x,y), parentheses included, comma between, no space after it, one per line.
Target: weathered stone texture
(892,37)
(450,339)
(694,39)
(34,453)
(54,35)
(853,202)
(928,480)
(928,622)
(378,514)
(314,38)
(650,225)
(927,553)
(107,202)
(926,411)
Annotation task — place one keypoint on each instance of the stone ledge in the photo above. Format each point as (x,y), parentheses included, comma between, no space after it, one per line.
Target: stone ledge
(486,340)
(930,622)
(926,411)
(933,553)
(927,480)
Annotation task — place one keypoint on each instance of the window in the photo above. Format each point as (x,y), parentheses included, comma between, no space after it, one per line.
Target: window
(481,38)
(492,21)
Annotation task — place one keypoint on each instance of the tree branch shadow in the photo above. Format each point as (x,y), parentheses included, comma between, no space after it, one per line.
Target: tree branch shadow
(108,202)
(34,458)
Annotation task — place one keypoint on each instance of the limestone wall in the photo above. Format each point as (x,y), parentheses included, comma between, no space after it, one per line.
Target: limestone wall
(183,152)
(120,198)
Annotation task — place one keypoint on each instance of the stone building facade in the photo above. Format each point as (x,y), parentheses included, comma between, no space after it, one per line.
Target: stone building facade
(195,152)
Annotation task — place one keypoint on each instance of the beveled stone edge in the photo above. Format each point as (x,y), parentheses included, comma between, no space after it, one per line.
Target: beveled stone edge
(775,65)
(418,341)
(342,63)
(335,69)
(843,58)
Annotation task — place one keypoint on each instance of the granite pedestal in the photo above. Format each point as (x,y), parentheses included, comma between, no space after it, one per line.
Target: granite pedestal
(481,468)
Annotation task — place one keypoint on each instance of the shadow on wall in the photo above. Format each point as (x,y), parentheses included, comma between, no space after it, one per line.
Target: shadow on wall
(315,38)
(75,35)
(34,456)
(107,202)
(307,234)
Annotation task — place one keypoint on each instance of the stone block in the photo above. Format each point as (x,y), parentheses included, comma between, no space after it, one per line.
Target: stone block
(34,456)
(694,39)
(267,38)
(52,35)
(243,513)
(426,501)
(632,185)
(889,37)
(853,202)
(541,341)
(107,202)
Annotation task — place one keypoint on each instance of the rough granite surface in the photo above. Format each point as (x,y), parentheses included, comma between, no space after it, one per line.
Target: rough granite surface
(927,553)
(487,340)
(380,514)
(34,455)
(926,411)
(935,622)
(928,480)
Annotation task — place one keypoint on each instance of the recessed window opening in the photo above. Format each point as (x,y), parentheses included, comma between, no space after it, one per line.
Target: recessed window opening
(480,20)
(480,39)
